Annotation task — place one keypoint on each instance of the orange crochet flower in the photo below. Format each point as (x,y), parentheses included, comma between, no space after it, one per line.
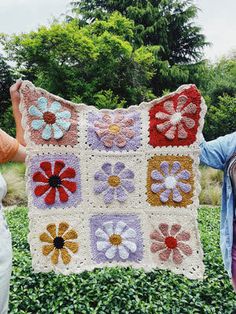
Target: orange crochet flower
(59,242)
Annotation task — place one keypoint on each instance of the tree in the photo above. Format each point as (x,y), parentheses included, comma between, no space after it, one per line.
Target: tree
(218,85)
(220,119)
(6,118)
(84,63)
(166,23)
(223,79)
(5,83)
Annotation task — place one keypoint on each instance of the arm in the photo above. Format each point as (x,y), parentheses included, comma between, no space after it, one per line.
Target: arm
(20,154)
(10,149)
(15,98)
(216,153)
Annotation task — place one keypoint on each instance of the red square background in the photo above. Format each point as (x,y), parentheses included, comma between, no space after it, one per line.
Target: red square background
(158,138)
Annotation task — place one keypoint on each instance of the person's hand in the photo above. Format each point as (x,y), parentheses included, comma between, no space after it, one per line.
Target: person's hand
(15,99)
(15,94)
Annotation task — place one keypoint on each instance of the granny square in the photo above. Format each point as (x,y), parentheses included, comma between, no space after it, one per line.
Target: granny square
(175,120)
(116,237)
(49,121)
(116,187)
(114,131)
(58,243)
(175,240)
(55,181)
(170,180)
(114,182)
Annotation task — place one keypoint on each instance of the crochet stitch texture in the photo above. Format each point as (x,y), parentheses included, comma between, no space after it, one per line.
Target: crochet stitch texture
(113,187)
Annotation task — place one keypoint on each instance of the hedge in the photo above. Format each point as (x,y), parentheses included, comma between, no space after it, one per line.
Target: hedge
(117,290)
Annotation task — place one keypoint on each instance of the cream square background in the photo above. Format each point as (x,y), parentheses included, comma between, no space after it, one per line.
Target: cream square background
(133,162)
(43,263)
(192,266)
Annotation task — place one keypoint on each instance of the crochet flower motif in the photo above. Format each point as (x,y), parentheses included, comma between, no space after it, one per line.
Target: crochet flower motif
(171,242)
(59,242)
(54,181)
(114,130)
(51,119)
(170,181)
(116,238)
(176,121)
(114,182)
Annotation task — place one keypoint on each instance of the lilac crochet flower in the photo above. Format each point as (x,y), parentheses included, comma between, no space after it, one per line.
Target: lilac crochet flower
(169,180)
(114,182)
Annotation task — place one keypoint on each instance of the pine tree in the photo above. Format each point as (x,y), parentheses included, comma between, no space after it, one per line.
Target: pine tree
(166,23)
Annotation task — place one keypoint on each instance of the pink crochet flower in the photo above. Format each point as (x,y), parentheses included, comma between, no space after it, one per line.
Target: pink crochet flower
(170,242)
(176,120)
(114,129)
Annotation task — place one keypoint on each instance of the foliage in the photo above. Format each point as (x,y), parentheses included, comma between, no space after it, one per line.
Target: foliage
(6,119)
(168,24)
(7,122)
(122,58)
(5,83)
(221,80)
(117,290)
(219,89)
(220,118)
(75,61)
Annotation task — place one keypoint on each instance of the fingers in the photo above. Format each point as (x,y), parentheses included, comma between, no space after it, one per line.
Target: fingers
(15,87)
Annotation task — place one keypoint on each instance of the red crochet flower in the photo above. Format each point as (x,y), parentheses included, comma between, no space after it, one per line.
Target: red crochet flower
(54,181)
(174,121)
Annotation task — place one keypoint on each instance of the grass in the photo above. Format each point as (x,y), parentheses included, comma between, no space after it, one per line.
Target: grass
(211,181)
(117,291)
(14,174)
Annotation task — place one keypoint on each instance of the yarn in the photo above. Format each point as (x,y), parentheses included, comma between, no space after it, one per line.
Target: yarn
(113,187)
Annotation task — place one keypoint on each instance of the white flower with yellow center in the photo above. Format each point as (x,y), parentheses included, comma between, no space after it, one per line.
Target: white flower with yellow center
(116,239)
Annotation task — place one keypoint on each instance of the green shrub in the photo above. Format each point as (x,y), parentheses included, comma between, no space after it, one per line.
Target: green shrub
(116,290)
(220,118)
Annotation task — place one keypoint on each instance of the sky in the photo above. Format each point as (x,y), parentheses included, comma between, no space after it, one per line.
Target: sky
(216,17)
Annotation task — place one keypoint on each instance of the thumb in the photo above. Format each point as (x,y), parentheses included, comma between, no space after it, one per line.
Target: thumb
(15,87)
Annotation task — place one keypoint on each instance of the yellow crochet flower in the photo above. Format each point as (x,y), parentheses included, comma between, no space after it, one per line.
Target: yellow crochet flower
(60,242)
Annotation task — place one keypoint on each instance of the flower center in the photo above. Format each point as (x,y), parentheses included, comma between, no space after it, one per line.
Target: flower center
(171,242)
(49,117)
(176,118)
(54,181)
(170,182)
(114,128)
(115,239)
(58,242)
(114,181)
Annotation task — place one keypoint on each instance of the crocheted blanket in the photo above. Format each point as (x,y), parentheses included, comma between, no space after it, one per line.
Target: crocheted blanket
(113,187)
